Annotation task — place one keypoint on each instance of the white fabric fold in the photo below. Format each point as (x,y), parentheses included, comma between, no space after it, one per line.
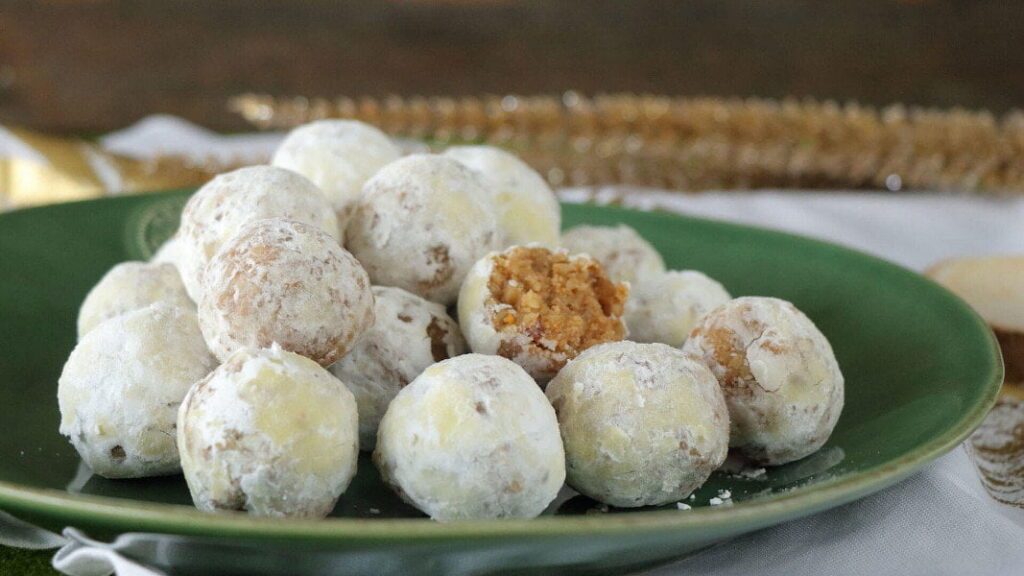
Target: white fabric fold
(17,533)
(82,556)
(936,523)
(912,229)
(169,135)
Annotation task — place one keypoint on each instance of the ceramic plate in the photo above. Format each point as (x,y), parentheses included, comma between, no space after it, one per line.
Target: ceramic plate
(921,372)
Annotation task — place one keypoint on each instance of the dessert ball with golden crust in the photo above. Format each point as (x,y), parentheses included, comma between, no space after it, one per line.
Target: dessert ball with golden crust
(289,283)
(339,156)
(625,255)
(643,424)
(271,433)
(540,308)
(420,223)
(472,438)
(780,377)
(120,389)
(229,202)
(528,211)
(131,286)
(408,335)
(665,307)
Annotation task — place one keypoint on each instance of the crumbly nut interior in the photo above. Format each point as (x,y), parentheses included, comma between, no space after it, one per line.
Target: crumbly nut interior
(730,349)
(562,304)
(729,353)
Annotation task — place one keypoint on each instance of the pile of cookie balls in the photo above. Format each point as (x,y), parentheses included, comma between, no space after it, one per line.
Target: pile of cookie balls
(304,310)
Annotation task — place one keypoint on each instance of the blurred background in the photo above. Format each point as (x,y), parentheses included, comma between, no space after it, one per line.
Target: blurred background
(90,66)
(837,113)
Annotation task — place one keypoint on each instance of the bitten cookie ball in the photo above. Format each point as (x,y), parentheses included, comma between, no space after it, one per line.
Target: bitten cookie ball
(528,212)
(780,377)
(271,433)
(285,282)
(131,286)
(665,307)
(339,156)
(120,390)
(626,256)
(408,335)
(226,204)
(643,424)
(540,308)
(472,438)
(421,222)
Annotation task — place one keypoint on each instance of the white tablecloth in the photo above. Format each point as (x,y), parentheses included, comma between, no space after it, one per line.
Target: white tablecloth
(938,522)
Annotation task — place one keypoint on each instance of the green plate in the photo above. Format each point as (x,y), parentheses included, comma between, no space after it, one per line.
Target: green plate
(921,372)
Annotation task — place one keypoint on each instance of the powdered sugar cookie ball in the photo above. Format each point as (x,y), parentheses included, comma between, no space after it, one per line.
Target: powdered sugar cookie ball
(130,286)
(472,438)
(229,202)
(643,424)
(626,256)
(120,389)
(421,222)
(665,307)
(339,156)
(408,335)
(780,377)
(168,253)
(271,433)
(540,308)
(285,282)
(528,212)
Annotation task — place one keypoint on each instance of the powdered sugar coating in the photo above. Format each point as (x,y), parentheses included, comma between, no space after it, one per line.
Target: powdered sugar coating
(420,224)
(120,389)
(285,282)
(643,424)
(626,256)
(130,286)
(779,374)
(408,335)
(169,252)
(226,204)
(665,307)
(528,211)
(339,156)
(271,433)
(472,438)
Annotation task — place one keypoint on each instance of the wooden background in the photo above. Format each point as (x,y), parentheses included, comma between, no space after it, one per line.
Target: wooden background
(91,66)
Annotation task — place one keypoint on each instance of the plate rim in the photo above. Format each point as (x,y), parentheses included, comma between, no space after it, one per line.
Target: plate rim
(187,521)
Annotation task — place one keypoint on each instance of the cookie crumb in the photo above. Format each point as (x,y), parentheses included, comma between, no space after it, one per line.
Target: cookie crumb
(752,473)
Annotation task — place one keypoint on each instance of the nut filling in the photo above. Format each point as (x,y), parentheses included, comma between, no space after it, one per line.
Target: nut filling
(564,305)
(779,374)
